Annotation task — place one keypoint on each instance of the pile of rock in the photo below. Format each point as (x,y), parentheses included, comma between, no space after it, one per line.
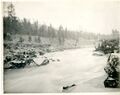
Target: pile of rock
(113,71)
(19,59)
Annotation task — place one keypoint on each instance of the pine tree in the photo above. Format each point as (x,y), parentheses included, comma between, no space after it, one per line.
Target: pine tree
(29,38)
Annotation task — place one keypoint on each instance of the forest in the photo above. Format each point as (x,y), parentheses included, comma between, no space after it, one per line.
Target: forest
(14,25)
(35,31)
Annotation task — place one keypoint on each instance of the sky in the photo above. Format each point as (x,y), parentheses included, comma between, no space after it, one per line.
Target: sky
(86,15)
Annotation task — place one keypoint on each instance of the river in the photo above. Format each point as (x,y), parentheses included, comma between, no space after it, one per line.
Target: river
(76,66)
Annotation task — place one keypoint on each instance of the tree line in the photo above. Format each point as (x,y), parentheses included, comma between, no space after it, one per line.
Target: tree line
(12,25)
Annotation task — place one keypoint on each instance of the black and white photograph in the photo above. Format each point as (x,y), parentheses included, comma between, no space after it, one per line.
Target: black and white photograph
(61,46)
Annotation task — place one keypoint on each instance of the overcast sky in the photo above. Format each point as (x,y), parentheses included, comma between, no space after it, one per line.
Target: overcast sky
(97,17)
